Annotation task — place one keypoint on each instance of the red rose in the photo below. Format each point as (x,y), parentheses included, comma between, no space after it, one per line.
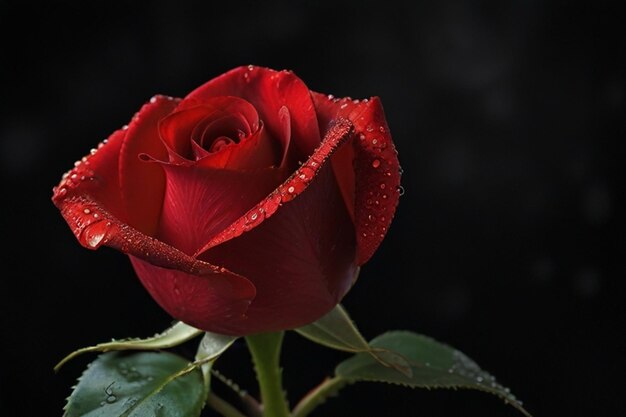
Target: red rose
(245,207)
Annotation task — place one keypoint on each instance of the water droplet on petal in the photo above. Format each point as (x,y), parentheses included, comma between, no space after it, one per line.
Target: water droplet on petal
(93,234)
(376,163)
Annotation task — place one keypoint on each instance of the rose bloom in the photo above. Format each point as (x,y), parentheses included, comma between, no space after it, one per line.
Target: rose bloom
(246,207)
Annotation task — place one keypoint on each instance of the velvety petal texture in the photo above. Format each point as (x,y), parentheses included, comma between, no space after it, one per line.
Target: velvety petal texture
(245,207)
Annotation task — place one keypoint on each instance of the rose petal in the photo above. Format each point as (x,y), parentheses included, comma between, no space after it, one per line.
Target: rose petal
(201,202)
(96,176)
(177,129)
(372,189)
(337,135)
(301,260)
(269,91)
(161,267)
(212,304)
(142,184)
(90,200)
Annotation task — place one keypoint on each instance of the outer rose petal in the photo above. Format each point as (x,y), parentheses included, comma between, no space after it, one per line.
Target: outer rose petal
(269,91)
(337,135)
(142,184)
(217,302)
(372,189)
(297,247)
(90,200)
(301,260)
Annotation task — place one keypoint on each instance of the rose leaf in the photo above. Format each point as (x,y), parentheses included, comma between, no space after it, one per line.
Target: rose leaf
(175,335)
(433,365)
(137,385)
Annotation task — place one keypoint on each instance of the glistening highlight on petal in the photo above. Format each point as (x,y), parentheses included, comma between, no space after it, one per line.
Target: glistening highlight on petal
(287,191)
(372,189)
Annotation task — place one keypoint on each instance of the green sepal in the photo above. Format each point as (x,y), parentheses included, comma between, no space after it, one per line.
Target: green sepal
(210,348)
(336,330)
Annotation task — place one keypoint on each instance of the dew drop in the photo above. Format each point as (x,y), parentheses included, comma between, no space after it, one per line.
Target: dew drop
(382,186)
(374,141)
(86,211)
(291,189)
(385,196)
(63,191)
(370,129)
(111,399)
(343,106)
(153,100)
(382,129)
(330,97)
(400,190)
(375,163)
(93,234)
(125,127)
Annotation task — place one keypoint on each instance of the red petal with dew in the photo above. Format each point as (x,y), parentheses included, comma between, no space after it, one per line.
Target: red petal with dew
(372,189)
(90,200)
(298,248)
(269,91)
(337,135)
(200,202)
(142,184)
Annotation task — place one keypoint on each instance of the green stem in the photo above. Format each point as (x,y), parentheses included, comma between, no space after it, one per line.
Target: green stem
(265,351)
(222,407)
(318,396)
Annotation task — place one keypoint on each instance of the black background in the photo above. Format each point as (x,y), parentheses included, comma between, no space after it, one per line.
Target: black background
(507,244)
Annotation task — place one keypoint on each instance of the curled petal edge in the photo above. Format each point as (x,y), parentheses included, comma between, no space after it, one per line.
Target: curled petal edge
(94,226)
(337,135)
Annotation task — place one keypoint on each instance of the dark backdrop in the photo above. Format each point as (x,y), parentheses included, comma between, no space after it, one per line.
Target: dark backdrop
(508,240)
